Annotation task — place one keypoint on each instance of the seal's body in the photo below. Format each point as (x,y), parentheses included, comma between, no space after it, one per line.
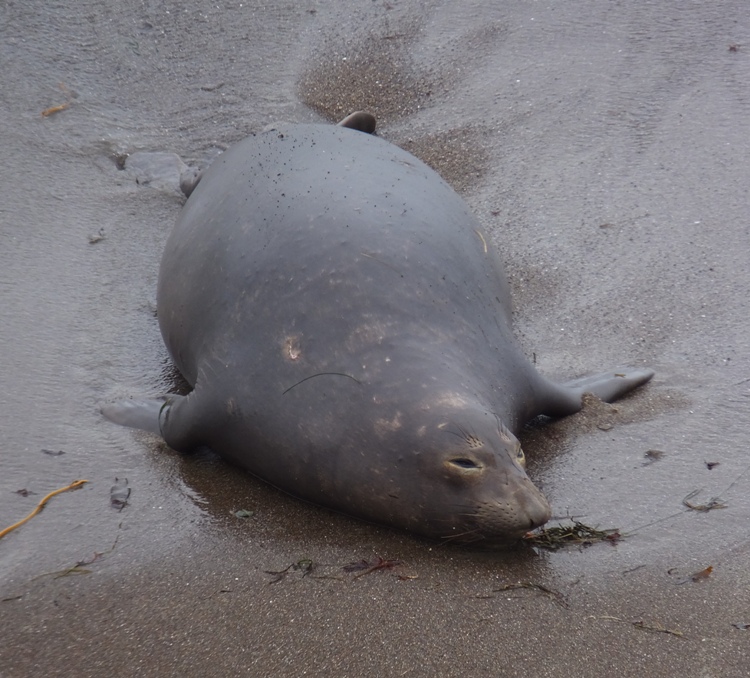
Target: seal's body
(347,330)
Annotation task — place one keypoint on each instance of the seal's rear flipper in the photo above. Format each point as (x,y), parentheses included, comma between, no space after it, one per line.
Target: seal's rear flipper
(189,179)
(361,121)
(142,414)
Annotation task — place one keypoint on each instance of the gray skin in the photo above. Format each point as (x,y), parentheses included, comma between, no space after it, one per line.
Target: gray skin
(347,331)
(359,120)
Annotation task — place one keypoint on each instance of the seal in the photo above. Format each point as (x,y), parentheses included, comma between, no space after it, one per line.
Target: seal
(346,328)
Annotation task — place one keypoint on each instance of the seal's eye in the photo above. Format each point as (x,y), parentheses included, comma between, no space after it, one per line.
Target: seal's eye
(521,457)
(463,462)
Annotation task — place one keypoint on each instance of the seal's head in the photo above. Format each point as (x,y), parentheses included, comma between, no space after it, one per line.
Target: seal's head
(461,478)
(483,470)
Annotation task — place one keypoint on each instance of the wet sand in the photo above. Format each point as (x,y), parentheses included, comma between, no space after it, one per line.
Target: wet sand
(605,148)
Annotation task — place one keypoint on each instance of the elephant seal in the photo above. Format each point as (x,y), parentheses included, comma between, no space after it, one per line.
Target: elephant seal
(346,328)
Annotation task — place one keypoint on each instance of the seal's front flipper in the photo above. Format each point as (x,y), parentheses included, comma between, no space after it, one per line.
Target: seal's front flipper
(361,121)
(178,419)
(141,414)
(608,386)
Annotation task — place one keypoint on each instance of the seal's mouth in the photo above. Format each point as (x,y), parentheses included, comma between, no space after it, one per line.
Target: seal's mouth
(501,520)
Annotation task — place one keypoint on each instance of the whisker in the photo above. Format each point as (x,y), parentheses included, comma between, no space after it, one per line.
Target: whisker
(452,537)
(464,434)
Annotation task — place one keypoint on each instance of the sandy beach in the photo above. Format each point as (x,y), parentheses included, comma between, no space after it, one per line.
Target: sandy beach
(603,146)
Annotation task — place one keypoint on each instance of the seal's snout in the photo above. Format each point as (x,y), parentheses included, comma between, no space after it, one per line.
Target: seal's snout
(534,506)
(516,509)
